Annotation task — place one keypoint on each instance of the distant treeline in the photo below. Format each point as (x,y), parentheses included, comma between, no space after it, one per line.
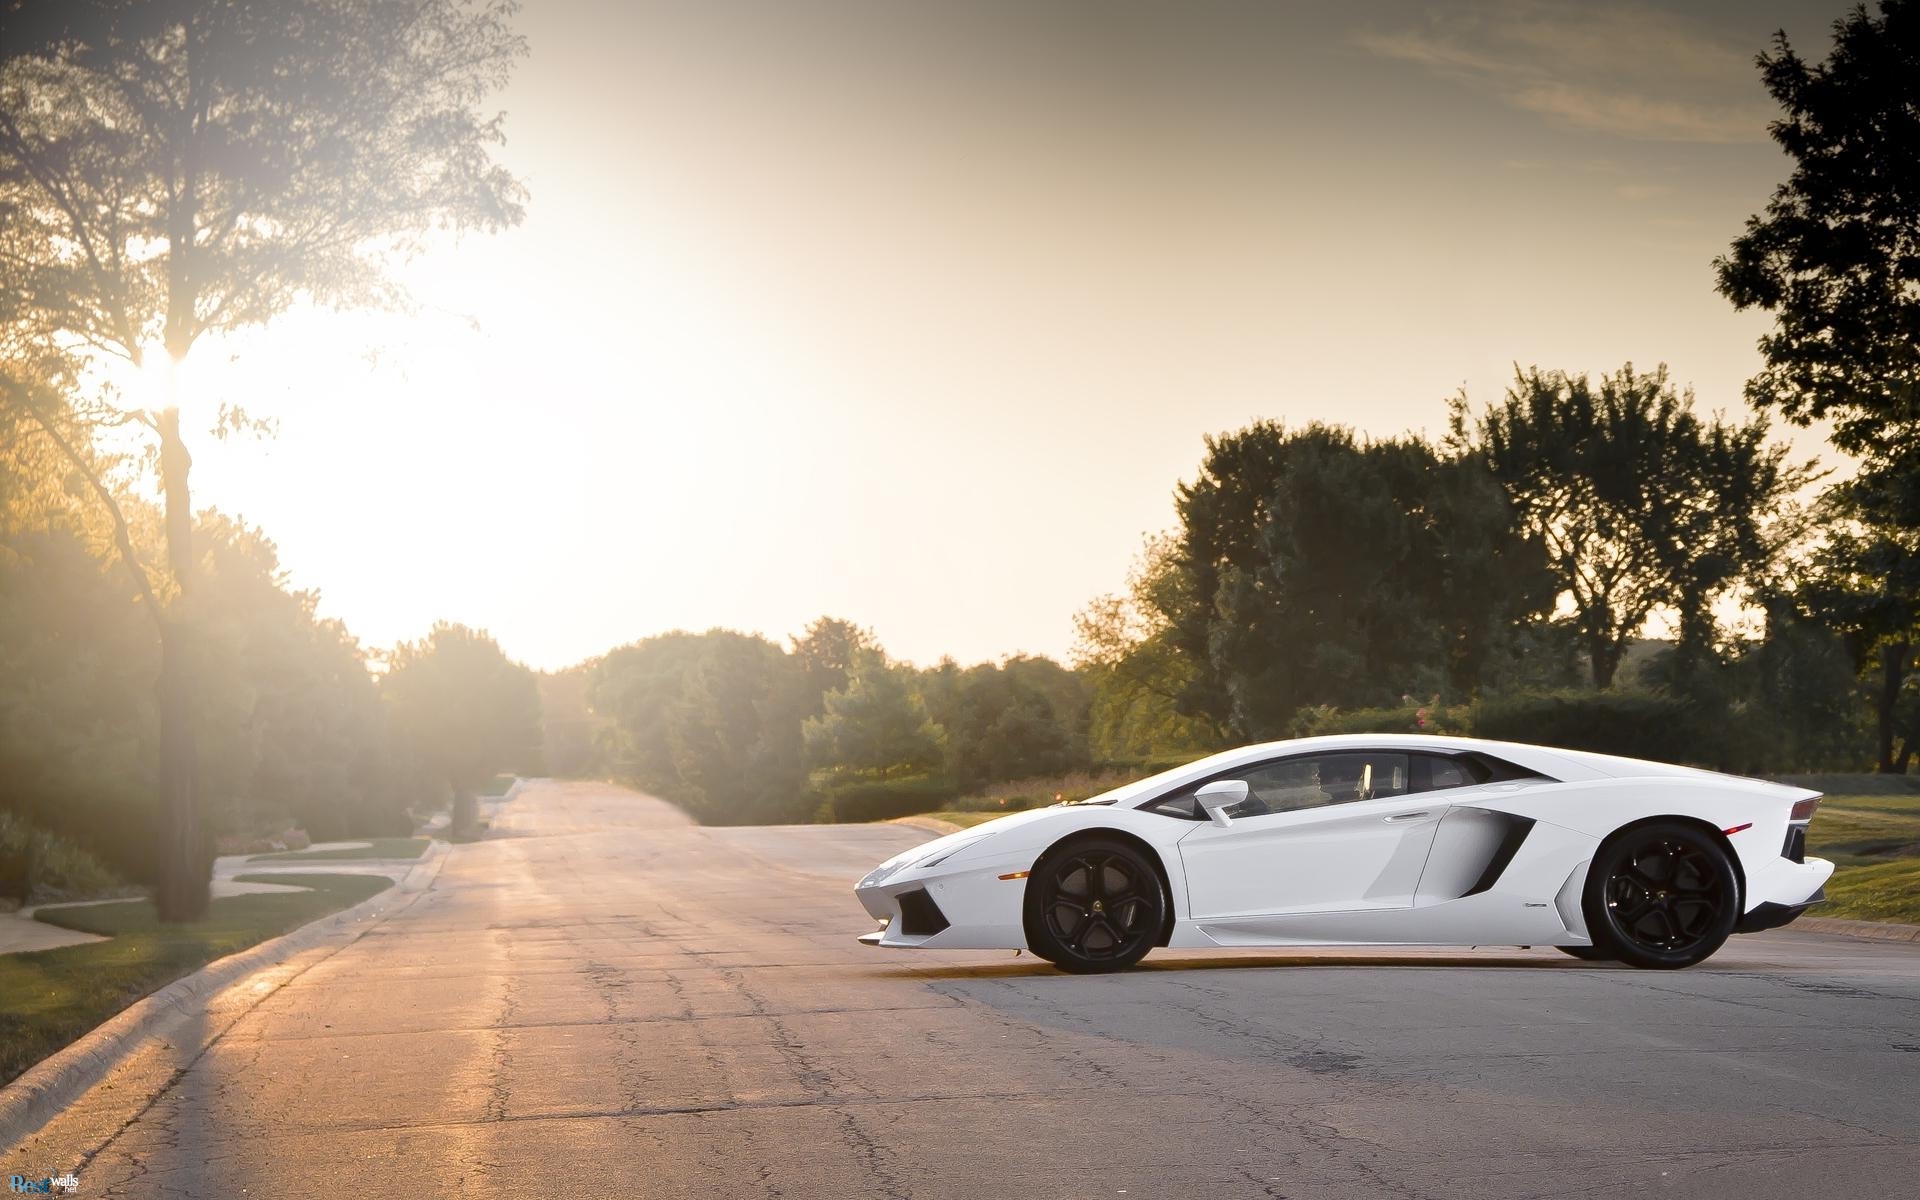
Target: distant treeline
(1498,582)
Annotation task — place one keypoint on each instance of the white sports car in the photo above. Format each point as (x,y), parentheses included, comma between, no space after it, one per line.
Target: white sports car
(1370,840)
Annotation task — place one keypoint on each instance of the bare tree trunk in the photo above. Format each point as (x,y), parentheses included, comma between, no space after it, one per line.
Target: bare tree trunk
(466,813)
(185,854)
(1893,673)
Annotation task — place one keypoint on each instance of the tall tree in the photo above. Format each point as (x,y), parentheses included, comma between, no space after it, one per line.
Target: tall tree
(174,168)
(1640,504)
(465,709)
(1314,568)
(875,726)
(1835,259)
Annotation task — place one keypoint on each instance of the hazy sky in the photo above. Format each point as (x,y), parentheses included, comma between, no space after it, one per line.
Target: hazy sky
(916,313)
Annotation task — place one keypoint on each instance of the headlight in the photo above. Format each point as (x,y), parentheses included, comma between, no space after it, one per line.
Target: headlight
(882,873)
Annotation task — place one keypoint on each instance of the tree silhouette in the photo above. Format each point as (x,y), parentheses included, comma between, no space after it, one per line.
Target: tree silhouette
(171,168)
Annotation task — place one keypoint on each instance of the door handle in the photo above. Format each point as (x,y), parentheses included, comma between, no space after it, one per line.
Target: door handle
(1409,816)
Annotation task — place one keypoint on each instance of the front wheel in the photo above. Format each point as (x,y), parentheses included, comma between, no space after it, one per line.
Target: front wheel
(1094,906)
(1661,895)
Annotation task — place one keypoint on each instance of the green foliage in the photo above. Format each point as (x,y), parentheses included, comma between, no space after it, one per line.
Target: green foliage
(1635,724)
(875,727)
(855,799)
(1314,568)
(1833,259)
(464,709)
(709,721)
(1022,718)
(37,867)
(1137,677)
(1431,718)
(54,996)
(1638,502)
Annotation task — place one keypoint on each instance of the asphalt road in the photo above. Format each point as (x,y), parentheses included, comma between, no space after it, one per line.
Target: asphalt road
(612,1002)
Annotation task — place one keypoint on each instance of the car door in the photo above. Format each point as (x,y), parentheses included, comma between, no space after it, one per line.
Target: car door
(1328,832)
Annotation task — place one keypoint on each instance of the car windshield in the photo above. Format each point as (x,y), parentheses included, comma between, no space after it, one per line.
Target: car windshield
(1152,785)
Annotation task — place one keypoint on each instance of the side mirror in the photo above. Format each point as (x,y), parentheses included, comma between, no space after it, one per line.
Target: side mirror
(1216,798)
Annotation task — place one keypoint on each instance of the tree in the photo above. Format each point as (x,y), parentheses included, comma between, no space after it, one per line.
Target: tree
(1124,648)
(1836,257)
(875,726)
(174,168)
(1639,502)
(710,721)
(1835,260)
(465,709)
(1865,583)
(1024,718)
(1313,568)
(826,654)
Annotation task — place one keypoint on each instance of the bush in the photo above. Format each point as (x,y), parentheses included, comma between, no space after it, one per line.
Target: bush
(881,799)
(1634,724)
(38,867)
(1405,718)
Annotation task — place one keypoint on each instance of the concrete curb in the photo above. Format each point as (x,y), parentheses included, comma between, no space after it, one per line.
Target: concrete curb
(33,1099)
(931,824)
(1866,931)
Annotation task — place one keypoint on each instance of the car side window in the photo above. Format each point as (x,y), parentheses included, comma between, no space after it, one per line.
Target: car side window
(1441,773)
(1305,781)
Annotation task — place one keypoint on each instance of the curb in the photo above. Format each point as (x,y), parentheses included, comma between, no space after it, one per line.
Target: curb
(931,824)
(37,1096)
(1866,931)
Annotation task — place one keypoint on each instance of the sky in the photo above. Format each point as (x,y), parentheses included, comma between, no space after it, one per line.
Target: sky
(917,313)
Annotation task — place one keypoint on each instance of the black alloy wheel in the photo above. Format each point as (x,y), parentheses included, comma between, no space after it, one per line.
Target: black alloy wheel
(1662,895)
(1094,906)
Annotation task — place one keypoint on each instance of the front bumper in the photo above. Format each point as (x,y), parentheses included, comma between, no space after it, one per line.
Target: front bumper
(970,907)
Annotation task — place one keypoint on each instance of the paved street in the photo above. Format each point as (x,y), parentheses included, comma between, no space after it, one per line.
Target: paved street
(609,1001)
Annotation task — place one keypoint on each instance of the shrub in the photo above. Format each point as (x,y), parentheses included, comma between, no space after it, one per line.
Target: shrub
(880,799)
(1635,724)
(1405,718)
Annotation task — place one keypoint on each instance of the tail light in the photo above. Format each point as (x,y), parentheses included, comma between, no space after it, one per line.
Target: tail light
(1803,809)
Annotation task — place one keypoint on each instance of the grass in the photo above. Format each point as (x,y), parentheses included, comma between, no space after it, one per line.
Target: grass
(390,847)
(50,997)
(1886,891)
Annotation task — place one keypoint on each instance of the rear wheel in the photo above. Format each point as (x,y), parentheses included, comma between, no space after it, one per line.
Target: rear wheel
(1094,906)
(1661,895)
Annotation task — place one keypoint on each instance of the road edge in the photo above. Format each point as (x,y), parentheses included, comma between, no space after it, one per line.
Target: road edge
(1866,931)
(46,1088)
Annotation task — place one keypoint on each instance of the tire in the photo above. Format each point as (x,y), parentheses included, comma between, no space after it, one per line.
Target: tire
(1663,895)
(1587,953)
(1094,906)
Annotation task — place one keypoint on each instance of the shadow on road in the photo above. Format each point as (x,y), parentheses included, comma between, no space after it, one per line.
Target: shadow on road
(1036,967)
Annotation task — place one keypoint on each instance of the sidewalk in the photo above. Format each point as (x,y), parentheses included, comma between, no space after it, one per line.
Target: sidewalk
(20,932)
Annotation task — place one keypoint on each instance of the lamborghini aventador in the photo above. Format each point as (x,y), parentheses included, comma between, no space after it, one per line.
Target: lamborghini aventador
(1369,840)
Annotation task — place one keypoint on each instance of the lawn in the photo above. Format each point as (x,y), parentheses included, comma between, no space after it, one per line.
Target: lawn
(1874,842)
(392,847)
(52,997)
